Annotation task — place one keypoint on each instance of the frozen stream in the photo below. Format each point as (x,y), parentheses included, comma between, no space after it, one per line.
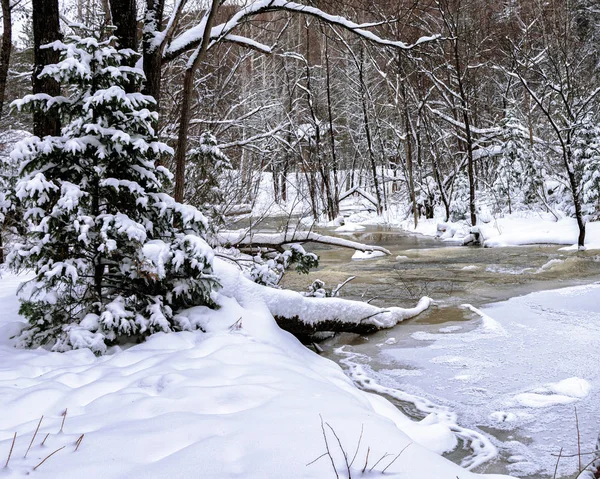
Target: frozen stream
(507,357)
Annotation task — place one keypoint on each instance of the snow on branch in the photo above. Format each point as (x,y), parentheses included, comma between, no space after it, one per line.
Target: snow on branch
(244,239)
(192,37)
(248,43)
(359,191)
(252,139)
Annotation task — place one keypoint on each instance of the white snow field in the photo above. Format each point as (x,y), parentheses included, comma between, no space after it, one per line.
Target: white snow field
(518,372)
(243,400)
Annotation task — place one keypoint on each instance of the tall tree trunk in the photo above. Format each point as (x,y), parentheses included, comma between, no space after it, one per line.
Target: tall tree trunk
(152,54)
(468,134)
(186,104)
(4,61)
(367,126)
(5,55)
(568,161)
(46,29)
(335,205)
(409,148)
(124,17)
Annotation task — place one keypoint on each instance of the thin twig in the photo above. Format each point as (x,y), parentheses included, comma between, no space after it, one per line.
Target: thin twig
(78,442)
(11,450)
(342,449)
(51,454)
(33,438)
(366,460)
(380,459)
(362,426)
(237,325)
(327,448)
(64,415)
(578,439)
(394,460)
(557,461)
(575,455)
(47,434)
(315,460)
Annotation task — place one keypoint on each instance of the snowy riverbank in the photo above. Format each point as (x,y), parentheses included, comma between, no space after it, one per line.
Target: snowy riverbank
(523,370)
(244,399)
(517,229)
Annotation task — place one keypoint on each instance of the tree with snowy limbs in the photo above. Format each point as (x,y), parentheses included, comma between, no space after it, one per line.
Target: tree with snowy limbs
(113,255)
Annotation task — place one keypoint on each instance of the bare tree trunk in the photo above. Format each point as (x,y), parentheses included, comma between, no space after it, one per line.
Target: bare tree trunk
(124,17)
(367,126)
(188,90)
(4,62)
(334,160)
(468,134)
(568,161)
(5,55)
(46,29)
(409,148)
(152,54)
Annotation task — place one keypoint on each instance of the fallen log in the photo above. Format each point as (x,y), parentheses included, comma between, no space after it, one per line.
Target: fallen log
(276,241)
(305,316)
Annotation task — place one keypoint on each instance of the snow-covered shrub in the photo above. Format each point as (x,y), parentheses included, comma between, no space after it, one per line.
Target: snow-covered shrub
(114,256)
(317,290)
(268,269)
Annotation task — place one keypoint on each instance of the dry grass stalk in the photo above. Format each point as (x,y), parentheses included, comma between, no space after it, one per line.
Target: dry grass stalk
(366,460)
(64,415)
(557,461)
(44,441)
(47,457)
(362,426)
(11,450)
(380,459)
(341,449)
(394,460)
(327,448)
(33,438)
(78,442)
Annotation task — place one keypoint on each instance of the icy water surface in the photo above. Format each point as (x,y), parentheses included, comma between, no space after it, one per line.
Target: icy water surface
(505,363)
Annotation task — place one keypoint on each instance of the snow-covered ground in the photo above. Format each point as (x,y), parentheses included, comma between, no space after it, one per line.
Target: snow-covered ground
(524,371)
(244,400)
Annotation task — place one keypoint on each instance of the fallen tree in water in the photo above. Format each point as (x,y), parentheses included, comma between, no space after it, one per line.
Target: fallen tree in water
(249,241)
(305,316)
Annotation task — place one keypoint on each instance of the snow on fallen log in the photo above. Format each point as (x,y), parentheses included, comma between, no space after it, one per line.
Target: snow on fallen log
(304,316)
(245,239)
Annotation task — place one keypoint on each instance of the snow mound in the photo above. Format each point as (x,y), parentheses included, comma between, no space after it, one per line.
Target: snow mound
(349,227)
(245,399)
(360,255)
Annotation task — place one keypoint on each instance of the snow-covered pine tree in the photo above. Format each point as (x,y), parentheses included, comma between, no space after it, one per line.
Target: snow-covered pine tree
(113,255)
(586,156)
(207,164)
(516,179)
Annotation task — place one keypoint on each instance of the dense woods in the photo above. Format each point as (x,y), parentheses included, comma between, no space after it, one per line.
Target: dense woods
(458,109)
(500,110)
(164,163)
